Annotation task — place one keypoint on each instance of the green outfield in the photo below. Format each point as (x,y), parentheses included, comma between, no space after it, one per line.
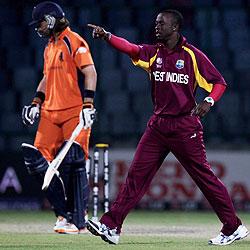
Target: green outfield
(142,230)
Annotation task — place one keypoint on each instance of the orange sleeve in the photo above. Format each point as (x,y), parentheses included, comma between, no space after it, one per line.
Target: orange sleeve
(82,55)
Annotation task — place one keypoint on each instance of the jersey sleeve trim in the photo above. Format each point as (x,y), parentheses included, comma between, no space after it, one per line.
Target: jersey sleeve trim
(199,78)
(67,43)
(143,64)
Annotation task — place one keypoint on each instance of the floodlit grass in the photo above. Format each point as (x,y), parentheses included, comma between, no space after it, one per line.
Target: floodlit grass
(142,230)
(51,241)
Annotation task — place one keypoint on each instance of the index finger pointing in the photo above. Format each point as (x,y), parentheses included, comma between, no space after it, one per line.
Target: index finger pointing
(92,25)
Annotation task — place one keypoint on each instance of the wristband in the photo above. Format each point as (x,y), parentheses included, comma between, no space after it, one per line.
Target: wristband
(39,98)
(210,100)
(107,36)
(87,93)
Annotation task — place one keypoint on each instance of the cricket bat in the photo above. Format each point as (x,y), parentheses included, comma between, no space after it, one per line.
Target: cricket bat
(54,165)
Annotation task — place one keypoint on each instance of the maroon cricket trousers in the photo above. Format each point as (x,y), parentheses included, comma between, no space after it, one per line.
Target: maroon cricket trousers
(183,136)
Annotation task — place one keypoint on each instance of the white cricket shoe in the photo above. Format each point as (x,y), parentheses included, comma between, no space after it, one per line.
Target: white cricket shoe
(98,229)
(69,228)
(222,239)
(60,223)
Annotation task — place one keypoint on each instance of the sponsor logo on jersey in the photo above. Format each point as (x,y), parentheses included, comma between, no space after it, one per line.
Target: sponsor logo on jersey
(160,76)
(179,64)
(159,60)
(81,50)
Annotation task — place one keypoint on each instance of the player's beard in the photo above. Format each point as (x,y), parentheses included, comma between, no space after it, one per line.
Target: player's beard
(159,40)
(46,33)
(163,38)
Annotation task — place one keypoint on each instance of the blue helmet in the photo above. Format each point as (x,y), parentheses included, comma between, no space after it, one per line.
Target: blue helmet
(46,8)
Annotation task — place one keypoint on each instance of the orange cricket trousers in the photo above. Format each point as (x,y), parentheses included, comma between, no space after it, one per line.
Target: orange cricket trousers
(55,127)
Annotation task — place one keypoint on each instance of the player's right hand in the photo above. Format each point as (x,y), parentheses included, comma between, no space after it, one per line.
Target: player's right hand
(30,114)
(87,115)
(99,32)
(201,109)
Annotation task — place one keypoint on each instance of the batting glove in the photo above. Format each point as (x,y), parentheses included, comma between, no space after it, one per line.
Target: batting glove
(30,114)
(87,115)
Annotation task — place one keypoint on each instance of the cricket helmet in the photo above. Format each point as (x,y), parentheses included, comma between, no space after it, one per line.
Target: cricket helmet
(46,8)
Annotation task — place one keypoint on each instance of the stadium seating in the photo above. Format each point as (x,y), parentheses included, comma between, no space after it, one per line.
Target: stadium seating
(11,123)
(219,28)
(218,39)
(125,124)
(126,63)
(242,81)
(8,101)
(221,58)
(241,59)
(26,96)
(234,19)
(137,81)
(116,103)
(238,39)
(130,33)
(19,56)
(5,13)
(110,81)
(118,17)
(7,39)
(146,3)
(25,78)
(246,103)
(201,3)
(142,101)
(229,3)
(89,15)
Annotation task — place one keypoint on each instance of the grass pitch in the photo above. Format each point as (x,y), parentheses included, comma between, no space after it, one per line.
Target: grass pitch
(142,230)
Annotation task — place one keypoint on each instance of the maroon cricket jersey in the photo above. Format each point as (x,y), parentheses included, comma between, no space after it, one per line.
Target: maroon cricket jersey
(175,76)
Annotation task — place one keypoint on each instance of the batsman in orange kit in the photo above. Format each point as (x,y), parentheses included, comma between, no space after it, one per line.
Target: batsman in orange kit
(60,111)
(60,99)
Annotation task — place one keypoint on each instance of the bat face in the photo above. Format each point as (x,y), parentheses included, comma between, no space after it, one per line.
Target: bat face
(54,165)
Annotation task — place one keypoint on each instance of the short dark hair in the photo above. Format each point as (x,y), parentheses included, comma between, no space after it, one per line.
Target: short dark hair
(176,15)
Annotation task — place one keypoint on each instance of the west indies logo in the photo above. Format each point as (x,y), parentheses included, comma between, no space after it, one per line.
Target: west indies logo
(179,64)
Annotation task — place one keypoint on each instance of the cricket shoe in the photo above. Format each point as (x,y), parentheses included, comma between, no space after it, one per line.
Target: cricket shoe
(222,239)
(69,228)
(60,223)
(98,229)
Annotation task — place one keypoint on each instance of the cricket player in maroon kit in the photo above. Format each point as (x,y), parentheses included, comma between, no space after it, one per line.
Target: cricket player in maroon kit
(176,69)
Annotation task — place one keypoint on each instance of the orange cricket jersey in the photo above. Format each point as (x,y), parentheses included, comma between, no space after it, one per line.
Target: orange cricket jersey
(62,60)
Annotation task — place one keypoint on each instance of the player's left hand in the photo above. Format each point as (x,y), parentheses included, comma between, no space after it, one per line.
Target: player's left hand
(87,115)
(201,109)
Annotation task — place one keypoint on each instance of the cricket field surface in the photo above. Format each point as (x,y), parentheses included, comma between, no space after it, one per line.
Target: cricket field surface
(142,230)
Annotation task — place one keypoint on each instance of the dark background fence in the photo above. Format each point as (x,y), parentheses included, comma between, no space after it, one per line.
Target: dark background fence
(219,27)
